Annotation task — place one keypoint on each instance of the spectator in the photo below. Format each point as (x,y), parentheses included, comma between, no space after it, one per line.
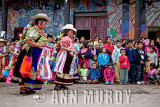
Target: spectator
(130,55)
(109,74)
(140,58)
(151,75)
(103,59)
(94,74)
(152,44)
(153,55)
(109,47)
(115,58)
(124,67)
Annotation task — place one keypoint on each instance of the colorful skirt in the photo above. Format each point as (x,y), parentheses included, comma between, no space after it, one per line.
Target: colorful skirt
(64,78)
(31,83)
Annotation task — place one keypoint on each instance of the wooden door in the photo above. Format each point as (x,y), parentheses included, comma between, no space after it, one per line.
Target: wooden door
(102,27)
(96,24)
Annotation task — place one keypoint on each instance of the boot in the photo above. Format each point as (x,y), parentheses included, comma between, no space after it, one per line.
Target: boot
(156,82)
(149,82)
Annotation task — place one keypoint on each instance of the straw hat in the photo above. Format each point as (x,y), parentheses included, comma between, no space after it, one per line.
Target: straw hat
(41,15)
(2,40)
(69,26)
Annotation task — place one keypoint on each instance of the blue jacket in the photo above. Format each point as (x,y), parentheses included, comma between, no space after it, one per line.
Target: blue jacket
(94,74)
(130,54)
(103,59)
(138,56)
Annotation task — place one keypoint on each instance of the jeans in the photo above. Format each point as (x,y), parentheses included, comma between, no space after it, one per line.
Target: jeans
(131,72)
(139,72)
(158,78)
(124,76)
(151,77)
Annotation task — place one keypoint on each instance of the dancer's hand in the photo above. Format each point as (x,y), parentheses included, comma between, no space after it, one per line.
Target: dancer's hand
(74,51)
(42,44)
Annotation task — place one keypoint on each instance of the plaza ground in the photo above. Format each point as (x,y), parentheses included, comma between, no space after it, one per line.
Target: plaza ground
(141,96)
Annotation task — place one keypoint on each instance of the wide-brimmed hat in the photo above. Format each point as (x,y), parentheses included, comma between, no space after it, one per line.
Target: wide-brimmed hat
(42,16)
(2,40)
(69,26)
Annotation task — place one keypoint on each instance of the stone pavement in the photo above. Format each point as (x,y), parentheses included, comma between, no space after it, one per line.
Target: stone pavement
(111,96)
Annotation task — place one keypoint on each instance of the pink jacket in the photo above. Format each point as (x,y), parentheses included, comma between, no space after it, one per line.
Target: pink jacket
(109,74)
(152,72)
(147,50)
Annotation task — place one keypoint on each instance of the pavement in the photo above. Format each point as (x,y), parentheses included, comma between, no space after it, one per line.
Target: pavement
(83,95)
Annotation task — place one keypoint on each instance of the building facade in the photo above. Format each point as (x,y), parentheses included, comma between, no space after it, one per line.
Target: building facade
(114,18)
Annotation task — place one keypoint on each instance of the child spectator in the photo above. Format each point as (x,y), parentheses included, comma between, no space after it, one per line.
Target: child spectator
(115,58)
(147,69)
(50,44)
(151,75)
(77,45)
(50,41)
(95,60)
(94,74)
(109,74)
(153,55)
(124,67)
(130,55)
(103,60)
(83,73)
(140,59)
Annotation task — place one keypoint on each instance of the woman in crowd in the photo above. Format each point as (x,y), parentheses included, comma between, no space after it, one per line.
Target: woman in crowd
(152,44)
(84,54)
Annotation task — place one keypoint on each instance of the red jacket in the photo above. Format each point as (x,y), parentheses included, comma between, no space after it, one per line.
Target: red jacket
(109,48)
(124,62)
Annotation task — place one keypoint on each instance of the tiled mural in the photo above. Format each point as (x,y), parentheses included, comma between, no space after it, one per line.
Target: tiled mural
(132,8)
(121,17)
(153,14)
(87,6)
(21,15)
(125,20)
(114,12)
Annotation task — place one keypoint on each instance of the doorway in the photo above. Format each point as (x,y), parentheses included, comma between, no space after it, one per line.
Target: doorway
(84,33)
(153,32)
(17,31)
(91,24)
